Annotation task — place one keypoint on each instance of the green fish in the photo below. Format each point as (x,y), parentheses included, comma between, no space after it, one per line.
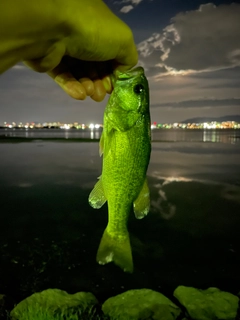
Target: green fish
(126,146)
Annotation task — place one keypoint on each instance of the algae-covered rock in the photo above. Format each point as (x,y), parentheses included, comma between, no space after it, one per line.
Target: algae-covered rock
(2,299)
(140,304)
(6,302)
(54,304)
(210,304)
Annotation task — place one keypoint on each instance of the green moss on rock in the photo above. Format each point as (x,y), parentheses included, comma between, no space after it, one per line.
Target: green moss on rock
(139,305)
(210,304)
(54,304)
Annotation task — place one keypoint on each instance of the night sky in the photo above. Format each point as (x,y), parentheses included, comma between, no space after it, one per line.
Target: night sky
(190,50)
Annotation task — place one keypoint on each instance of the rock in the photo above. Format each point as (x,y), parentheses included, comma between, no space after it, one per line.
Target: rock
(140,304)
(2,300)
(2,305)
(6,304)
(53,304)
(207,304)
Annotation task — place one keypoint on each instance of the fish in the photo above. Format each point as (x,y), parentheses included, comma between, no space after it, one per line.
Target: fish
(125,145)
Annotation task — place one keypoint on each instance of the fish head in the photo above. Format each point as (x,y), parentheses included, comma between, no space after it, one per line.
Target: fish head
(131,91)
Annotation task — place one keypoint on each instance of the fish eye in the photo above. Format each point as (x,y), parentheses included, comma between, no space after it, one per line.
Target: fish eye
(138,88)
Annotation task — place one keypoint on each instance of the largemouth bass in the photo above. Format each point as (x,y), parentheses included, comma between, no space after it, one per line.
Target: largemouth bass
(126,145)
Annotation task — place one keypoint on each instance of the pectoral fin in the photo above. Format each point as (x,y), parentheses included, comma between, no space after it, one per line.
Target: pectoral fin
(141,205)
(97,197)
(101,144)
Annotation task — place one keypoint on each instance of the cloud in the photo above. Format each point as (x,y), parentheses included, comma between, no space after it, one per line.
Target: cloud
(134,2)
(207,39)
(129,7)
(126,9)
(30,96)
(201,103)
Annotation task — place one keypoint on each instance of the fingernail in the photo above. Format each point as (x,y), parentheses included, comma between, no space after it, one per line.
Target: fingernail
(107,84)
(77,92)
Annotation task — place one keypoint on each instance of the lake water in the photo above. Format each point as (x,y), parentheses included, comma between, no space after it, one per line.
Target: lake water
(49,235)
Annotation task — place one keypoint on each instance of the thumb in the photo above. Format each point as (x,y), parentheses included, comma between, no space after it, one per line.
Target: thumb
(127,56)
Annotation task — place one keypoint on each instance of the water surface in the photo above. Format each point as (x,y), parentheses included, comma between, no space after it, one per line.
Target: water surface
(207,135)
(49,235)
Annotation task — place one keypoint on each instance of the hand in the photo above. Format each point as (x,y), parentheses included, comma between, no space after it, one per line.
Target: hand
(97,42)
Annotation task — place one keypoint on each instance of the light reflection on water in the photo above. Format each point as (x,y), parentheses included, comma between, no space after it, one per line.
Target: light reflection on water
(205,135)
(232,136)
(51,133)
(217,136)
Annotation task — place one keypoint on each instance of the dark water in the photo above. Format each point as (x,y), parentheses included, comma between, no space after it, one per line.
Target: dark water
(49,235)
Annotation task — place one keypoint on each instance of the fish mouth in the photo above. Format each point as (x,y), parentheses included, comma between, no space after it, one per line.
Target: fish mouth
(132,73)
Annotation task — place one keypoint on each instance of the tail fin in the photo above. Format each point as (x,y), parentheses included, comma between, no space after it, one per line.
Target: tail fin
(116,250)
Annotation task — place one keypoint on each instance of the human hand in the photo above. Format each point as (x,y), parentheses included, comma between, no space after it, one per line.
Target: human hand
(97,42)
